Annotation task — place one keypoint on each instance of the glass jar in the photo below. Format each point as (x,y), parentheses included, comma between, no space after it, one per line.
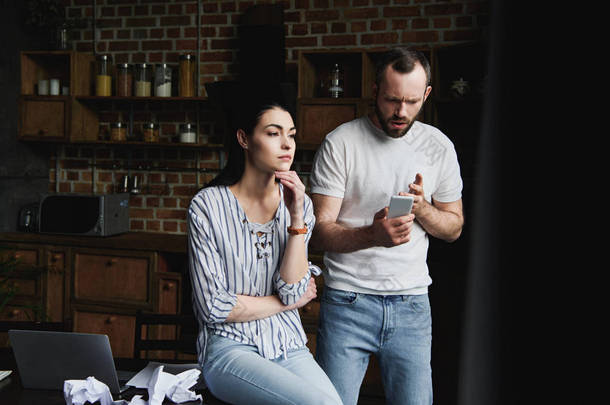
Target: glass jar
(103,79)
(150,132)
(187,76)
(118,131)
(188,133)
(163,80)
(335,88)
(143,76)
(124,80)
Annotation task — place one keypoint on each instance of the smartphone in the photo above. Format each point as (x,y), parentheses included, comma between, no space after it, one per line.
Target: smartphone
(400,205)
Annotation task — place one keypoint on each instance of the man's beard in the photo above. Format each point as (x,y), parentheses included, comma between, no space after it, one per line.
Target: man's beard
(394,133)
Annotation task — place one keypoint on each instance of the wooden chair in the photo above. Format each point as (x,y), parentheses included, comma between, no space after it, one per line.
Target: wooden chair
(165,336)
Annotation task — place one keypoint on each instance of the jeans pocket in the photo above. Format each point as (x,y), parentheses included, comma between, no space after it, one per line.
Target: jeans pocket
(338,297)
(419,303)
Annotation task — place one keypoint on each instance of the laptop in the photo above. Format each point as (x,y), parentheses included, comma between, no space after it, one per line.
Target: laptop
(46,359)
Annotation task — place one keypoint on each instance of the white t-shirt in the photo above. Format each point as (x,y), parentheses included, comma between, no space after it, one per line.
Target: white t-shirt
(362,165)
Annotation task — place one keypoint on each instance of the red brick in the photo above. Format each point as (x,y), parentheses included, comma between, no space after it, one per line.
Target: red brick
(214,19)
(125,11)
(339,40)
(211,68)
(82,187)
(378,25)
(361,13)
(173,9)
(153,202)
(401,11)
(176,20)
(141,10)
(186,44)
(385,38)
(464,21)
(292,16)
(420,23)
(443,22)
(420,36)
(141,22)
(107,12)
(227,6)
(153,225)
(319,28)
(124,46)
(136,225)
(170,226)
(338,28)
(443,9)
(358,26)
(173,32)
(301,42)
(141,213)
(156,45)
(171,214)
(321,4)
(170,202)
(189,32)
(217,56)
(123,34)
(299,29)
(325,15)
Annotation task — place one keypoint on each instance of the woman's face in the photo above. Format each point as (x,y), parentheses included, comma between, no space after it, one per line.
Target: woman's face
(271,145)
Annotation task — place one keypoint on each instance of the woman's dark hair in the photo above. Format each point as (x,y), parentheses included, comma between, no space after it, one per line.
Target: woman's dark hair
(246,117)
(402,60)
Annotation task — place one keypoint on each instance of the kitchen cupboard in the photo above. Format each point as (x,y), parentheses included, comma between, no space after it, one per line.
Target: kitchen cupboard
(59,117)
(97,285)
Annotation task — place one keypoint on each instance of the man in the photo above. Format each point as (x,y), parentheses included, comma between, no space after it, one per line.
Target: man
(376,279)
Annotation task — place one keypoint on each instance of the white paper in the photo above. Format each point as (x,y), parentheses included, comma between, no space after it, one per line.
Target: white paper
(77,392)
(160,385)
(140,380)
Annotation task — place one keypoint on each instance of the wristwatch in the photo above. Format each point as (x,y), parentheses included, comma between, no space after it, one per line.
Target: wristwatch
(297,231)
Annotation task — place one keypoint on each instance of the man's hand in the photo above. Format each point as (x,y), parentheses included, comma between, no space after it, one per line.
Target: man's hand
(390,232)
(416,190)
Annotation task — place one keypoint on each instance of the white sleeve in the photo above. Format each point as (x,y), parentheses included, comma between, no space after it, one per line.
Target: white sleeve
(328,175)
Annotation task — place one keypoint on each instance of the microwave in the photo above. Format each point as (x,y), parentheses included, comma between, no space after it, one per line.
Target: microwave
(84,214)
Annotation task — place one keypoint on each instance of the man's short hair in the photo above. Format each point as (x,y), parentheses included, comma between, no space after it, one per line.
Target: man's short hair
(403,60)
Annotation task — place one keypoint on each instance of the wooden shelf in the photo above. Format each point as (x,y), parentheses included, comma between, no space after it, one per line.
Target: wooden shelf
(141,99)
(127,143)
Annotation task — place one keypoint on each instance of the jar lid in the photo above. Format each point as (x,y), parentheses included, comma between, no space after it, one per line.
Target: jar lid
(187,56)
(142,65)
(187,127)
(118,125)
(104,57)
(151,125)
(162,65)
(123,65)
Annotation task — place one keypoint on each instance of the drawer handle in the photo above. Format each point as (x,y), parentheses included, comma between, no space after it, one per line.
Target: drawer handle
(18,256)
(112,261)
(56,257)
(14,313)
(110,319)
(168,286)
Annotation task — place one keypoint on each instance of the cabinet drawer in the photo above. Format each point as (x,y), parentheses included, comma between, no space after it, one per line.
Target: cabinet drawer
(119,328)
(112,278)
(44,118)
(168,293)
(317,119)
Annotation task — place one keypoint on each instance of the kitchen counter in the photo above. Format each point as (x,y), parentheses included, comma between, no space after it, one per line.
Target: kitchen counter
(143,241)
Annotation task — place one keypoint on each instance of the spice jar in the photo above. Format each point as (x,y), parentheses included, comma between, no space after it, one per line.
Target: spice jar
(103,80)
(124,80)
(143,75)
(187,76)
(150,132)
(188,133)
(118,131)
(163,80)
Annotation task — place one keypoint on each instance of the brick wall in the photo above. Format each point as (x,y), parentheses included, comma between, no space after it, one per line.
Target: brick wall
(137,31)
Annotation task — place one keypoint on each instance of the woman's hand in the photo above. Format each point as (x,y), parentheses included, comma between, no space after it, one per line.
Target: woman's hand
(309,295)
(294,196)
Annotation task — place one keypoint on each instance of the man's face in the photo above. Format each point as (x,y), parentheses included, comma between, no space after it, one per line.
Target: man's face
(399,99)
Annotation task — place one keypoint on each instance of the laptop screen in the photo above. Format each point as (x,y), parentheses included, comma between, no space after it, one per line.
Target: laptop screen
(46,359)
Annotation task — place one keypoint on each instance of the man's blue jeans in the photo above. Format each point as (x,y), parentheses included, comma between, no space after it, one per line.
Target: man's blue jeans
(396,328)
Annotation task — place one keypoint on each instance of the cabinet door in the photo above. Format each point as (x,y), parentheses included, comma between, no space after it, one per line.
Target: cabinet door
(113,279)
(44,118)
(55,284)
(317,119)
(119,328)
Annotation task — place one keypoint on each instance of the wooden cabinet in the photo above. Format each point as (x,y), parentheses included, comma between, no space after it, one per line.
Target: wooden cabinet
(96,284)
(58,117)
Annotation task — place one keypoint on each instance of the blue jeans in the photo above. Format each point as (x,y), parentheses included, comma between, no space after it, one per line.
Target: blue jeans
(236,373)
(396,328)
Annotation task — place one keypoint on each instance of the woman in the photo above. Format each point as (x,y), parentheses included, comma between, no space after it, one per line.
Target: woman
(248,235)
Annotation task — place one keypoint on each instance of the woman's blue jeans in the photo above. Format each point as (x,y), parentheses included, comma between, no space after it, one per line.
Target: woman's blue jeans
(235,373)
(396,328)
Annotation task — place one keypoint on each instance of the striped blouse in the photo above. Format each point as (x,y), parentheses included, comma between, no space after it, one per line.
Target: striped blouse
(230,256)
